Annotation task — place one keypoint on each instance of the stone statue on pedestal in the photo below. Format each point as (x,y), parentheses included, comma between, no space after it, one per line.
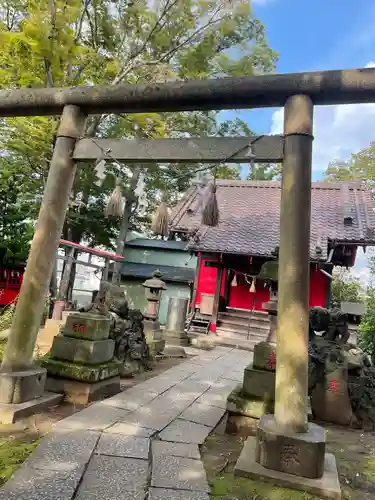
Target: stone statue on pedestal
(127,331)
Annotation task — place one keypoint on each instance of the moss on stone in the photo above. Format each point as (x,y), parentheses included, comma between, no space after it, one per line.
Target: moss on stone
(231,487)
(253,407)
(83,373)
(369,469)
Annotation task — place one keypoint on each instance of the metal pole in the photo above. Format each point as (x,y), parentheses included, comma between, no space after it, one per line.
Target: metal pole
(294,263)
(323,87)
(19,350)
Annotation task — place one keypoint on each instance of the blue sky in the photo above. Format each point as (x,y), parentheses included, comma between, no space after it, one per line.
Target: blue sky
(321,35)
(313,35)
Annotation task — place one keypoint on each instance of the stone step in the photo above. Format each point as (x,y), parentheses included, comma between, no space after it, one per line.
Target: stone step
(254,337)
(239,314)
(243,330)
(252,323)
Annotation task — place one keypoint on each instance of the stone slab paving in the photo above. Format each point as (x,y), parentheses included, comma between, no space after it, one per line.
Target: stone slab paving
(164,494)
(141,443)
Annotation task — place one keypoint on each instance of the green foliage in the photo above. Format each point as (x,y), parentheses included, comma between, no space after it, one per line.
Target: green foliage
(6,316)
(265,172)
(15,226)
(359,167)
(59,43)
(345,288)
(367,326)
(13,452)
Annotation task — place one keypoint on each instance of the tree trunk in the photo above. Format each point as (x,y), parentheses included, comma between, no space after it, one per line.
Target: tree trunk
(120,244)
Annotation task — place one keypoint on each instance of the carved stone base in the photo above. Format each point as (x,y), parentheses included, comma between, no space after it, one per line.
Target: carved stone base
(92,352)
(84,392)
(80,372)
(301,454)
(19,387)
(327,486)
(258,383)
(10,413)
(249,406)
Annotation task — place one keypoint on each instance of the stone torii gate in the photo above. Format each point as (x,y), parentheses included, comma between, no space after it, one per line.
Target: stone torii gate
(298,93)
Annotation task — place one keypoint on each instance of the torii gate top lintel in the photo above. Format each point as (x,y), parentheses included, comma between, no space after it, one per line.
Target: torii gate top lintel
(271,90)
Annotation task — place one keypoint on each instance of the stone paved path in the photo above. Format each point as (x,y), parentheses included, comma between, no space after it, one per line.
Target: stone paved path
(141,443)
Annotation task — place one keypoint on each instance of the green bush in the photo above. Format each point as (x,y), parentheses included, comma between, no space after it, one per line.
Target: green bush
(6,317)
(367,326)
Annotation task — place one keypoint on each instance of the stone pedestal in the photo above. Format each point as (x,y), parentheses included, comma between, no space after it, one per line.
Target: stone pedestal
(81,363)
(255,397)
(22,393)
(154,337)
(175,333)
(300,454)
(296,460)
(330,400)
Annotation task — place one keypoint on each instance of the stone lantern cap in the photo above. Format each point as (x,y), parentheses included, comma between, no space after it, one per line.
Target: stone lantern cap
(155,282)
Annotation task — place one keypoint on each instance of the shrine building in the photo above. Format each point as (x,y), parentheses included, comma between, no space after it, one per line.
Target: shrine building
(229,291)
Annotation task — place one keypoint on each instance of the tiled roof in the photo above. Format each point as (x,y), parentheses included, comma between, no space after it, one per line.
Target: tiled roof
(157,244)
(250,217)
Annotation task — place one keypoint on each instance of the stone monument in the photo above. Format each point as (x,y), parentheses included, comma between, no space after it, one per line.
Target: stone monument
(81,363)
(153,289)
(256,395)
(175,331)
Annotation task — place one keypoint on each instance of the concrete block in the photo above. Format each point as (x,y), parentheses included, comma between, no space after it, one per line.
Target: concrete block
(174,351)
(131,399)
(21,386)
(114,478)
(128,429)
(152,417)
(10,413)
(64,449)
(248,406)
(182,431)
(301,454)
(178,473)
(117,445)
(80,372)
(76,350)
(258,383)
(217,396)
(175,338)
(265,356)
(163,493)
(77,392)
(327,486)
(87,326)
(95,418)
(203,414)
(187,450)
(31,484)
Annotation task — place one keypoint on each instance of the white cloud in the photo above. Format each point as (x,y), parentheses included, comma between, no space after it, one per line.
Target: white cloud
(338,130)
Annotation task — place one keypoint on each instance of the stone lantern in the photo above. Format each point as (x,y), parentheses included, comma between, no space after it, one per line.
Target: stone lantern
(153,289)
